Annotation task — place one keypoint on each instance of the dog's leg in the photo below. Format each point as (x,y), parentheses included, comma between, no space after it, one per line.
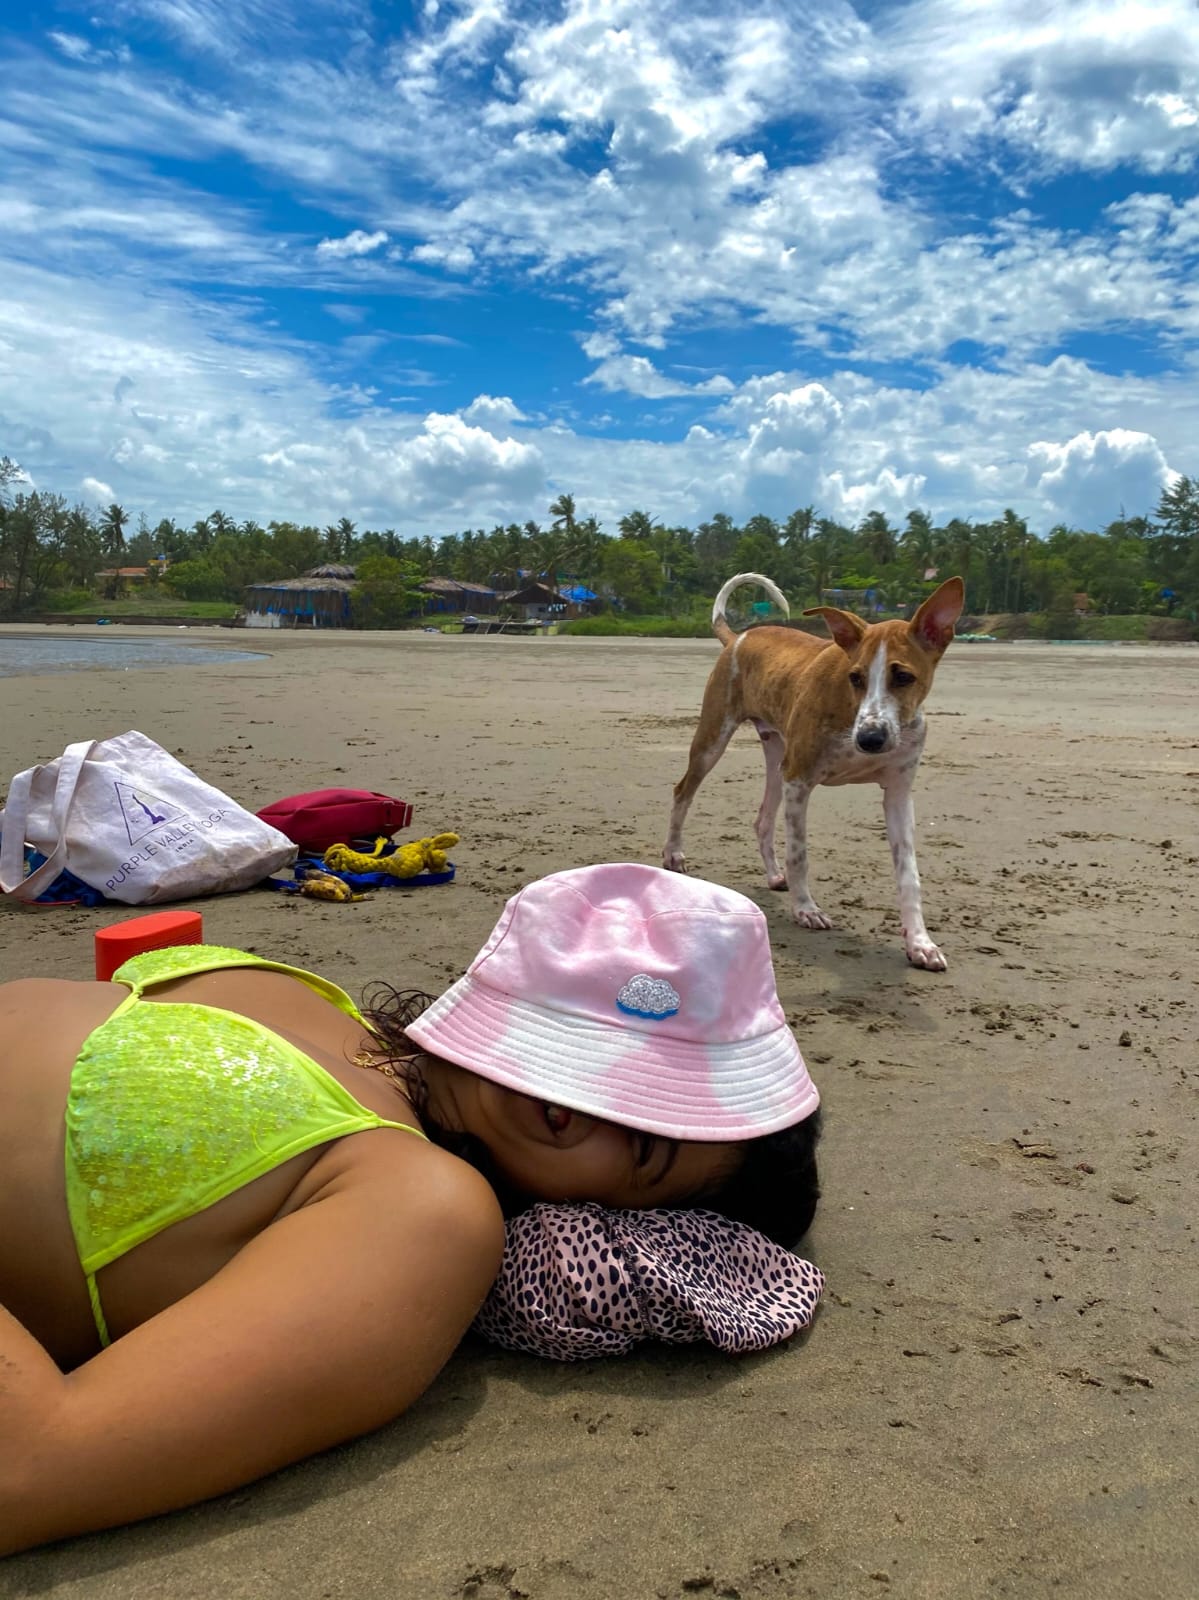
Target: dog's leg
(772,749)
(900,813)
(795,825)
(706,751)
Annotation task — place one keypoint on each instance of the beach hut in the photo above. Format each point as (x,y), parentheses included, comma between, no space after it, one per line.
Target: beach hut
(455,597)
(318,599)
(541,602)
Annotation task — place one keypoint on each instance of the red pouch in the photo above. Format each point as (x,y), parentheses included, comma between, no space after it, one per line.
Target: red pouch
(323,817)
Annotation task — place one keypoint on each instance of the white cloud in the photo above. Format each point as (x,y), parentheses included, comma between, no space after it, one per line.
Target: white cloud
(71,45)
(496,413)
(795,420)
(599,346)
(95,489)
(1092,477)
(766,174)
(637,375)
(455,257)
(1080,84)
(358,243)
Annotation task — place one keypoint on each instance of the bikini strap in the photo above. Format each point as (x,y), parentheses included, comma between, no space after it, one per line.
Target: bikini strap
(153,967)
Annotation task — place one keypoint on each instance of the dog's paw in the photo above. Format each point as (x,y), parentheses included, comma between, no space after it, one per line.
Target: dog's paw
(924,953)
(811,916)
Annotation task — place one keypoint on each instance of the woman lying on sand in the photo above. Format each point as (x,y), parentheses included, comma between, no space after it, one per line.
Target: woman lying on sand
(280,1214)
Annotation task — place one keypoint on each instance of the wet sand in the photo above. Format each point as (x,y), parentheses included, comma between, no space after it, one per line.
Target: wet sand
(999,1394)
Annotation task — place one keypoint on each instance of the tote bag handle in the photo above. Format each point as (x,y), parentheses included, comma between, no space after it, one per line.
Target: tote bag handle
(16,814)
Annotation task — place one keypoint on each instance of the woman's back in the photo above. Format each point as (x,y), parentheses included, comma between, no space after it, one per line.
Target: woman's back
(44,1025)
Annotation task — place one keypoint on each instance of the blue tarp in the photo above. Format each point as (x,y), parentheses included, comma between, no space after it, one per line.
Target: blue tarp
(577,592)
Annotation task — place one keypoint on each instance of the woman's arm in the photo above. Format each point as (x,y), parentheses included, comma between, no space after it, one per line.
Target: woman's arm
(326,1325)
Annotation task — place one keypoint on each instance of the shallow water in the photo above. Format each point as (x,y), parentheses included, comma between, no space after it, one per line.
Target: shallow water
(23,657)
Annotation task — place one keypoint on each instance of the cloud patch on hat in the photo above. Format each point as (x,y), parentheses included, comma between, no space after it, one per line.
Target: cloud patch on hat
(644,996)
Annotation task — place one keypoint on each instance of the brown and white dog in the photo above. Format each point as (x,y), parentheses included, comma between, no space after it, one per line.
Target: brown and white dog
(845,712)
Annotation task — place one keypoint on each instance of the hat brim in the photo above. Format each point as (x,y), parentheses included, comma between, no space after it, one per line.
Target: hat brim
(654,1082)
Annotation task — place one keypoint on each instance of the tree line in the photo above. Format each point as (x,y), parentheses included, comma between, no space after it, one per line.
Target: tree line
(52,553)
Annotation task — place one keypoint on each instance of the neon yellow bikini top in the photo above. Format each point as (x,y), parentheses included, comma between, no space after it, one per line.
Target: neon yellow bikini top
(172,1106)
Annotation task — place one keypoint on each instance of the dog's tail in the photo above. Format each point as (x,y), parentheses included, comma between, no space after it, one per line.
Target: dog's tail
(720,623)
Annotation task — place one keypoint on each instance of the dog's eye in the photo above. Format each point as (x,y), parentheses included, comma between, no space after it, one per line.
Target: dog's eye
(901,675)
(858,679)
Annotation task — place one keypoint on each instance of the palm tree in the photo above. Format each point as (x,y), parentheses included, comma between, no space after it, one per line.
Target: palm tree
(637,525)
(918,541)
(955,547)
(589,551)
(876,537)
(81,547)
(827,547)
(112,530)
(563,511)
(339,539)
(797,529)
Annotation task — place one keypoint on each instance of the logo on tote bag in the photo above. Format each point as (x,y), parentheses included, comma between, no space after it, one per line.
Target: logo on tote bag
(142,812)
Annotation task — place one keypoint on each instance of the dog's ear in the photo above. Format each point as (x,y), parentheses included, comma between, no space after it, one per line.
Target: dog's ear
(846,629)
(932,626)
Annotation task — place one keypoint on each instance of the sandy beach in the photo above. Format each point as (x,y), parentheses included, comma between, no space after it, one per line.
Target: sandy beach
(998,1397)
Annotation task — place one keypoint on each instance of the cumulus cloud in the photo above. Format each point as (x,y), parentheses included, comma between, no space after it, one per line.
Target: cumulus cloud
(496,413)
(797,420)
(451,459)
(637,375)
(455,256)
(1086,84)
(443,468)
(633,174)
(358,243)
(96,489)
(1093,476)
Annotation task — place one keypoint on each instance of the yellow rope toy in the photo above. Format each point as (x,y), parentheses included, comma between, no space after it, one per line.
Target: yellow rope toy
(405,861)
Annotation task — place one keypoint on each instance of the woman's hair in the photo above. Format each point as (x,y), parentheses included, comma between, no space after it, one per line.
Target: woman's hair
(773,1188)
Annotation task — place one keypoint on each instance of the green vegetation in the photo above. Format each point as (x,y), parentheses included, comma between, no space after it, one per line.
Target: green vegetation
(610,625)
(157,602)
(650,578)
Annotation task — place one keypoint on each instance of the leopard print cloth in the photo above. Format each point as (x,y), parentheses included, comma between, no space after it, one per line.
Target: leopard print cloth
(580,1281)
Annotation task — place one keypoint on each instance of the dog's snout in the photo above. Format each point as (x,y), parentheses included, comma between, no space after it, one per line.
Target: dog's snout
(871,740)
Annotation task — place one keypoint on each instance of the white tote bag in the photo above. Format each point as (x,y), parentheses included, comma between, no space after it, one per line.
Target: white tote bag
(130,820)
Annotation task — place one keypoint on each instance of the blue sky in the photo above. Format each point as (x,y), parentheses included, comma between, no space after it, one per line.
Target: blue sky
(429,266)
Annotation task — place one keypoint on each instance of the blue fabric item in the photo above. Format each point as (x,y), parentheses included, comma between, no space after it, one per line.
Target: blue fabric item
(305,864)
(66,890)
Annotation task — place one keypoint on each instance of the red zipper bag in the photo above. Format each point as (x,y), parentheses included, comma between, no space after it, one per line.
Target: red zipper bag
(323,817)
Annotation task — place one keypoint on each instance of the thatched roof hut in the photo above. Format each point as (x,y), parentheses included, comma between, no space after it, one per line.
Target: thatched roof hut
(450,594)
(545,601)
(319,599)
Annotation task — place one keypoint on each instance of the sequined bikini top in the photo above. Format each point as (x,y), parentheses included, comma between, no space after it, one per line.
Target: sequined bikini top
(173,1105)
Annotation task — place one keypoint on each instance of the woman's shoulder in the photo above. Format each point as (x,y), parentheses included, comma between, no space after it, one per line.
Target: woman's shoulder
(419,1189)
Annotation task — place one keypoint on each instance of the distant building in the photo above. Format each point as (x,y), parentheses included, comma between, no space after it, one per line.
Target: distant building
(452,596)
(319,599)
(542,602)
(125,574)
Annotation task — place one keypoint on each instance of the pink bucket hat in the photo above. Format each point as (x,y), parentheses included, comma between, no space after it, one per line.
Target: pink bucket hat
(632,994)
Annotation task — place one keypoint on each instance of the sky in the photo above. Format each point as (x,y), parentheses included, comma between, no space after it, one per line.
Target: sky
(430,266)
